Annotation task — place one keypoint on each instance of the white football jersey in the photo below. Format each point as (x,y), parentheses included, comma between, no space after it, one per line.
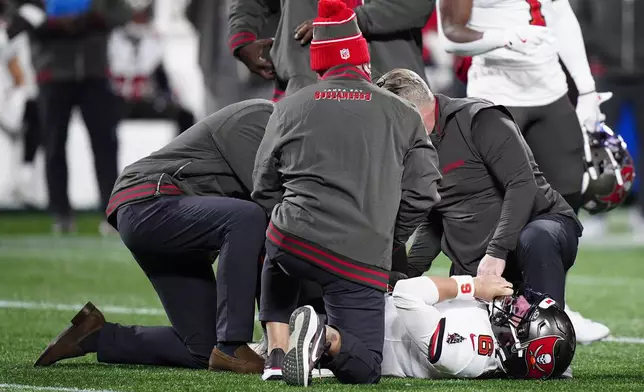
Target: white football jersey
(508,77)
(452,339)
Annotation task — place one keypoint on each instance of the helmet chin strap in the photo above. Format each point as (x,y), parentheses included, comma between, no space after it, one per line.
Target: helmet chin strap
(618,172)
(588,155)
(517,343)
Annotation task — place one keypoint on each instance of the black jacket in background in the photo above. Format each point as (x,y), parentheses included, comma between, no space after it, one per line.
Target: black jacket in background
(491,187)
(614,34)
(214,157)
(73,49)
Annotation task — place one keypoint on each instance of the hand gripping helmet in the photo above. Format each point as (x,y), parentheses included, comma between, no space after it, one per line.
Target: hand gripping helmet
(609,170)
(535,336)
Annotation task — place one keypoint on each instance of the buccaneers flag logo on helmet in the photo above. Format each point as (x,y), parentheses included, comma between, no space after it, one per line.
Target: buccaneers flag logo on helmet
(540,358)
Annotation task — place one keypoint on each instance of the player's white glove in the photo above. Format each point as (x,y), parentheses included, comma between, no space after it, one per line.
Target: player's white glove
(588,111)
(527,39)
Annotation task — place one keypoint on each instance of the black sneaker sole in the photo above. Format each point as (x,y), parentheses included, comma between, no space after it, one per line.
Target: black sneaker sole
(304,325)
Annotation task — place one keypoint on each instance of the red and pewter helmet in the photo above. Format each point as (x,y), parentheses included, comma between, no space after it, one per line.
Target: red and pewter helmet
(609,170)
(535,336)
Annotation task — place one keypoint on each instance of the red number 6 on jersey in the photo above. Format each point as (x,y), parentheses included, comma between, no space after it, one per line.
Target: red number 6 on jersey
(537,18)
(466,288)
(486,345)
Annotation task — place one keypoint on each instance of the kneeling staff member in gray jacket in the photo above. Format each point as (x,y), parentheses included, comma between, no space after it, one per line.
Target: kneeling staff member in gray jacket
(174,210)
(345,169)
(496,206)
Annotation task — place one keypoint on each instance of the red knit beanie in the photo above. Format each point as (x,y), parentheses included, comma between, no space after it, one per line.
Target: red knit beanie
(337,39)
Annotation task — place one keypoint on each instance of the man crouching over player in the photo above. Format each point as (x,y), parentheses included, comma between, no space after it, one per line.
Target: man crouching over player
(174,210)
(496,206)
(345,171)
(436,328)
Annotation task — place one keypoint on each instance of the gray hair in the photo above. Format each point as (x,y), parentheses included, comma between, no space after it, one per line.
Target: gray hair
(407,85)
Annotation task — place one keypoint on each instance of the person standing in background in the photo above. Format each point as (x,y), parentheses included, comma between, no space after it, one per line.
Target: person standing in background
(391,27)
(70,57)
(615,44)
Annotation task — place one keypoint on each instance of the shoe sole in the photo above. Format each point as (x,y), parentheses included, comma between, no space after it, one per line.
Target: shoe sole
(77,320)
(296,368)
(272,374)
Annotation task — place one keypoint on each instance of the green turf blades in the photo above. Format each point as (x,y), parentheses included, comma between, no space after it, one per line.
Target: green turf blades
(55,275)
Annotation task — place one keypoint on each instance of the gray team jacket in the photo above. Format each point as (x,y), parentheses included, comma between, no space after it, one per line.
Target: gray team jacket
(392,28)
(344,170)
(214,157)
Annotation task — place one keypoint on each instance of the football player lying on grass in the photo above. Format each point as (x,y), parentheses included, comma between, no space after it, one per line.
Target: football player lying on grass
(464,327)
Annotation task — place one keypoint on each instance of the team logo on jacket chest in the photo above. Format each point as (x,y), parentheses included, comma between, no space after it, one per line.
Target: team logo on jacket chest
(454,338)
(339,94)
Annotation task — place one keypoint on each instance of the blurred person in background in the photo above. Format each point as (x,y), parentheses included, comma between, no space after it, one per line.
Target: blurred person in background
(515,47)
(181,54)
(136,55)
(392,28)
(614,33)
(19,115)
(70,57)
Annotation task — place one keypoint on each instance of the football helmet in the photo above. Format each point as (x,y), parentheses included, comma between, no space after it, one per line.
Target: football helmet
(535,336)
(609,170)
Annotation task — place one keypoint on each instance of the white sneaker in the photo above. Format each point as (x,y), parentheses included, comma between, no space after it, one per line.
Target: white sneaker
(636,222)
(567,374)
(322,373)
(595,227)
(586,330)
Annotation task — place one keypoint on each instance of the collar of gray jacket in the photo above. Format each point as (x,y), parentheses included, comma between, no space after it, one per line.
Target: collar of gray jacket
(345,71)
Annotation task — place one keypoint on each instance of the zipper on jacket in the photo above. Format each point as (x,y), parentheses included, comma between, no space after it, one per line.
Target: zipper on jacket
(158,191)
(181,168)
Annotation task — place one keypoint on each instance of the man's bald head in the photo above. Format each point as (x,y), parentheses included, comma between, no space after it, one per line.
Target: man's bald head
(410,86)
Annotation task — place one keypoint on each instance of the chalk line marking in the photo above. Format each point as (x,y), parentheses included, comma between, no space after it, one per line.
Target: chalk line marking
(76,307)
(38,388)
(624,339)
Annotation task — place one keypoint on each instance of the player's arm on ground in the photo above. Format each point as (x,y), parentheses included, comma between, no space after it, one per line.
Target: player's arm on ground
(415,299)
(498,141)
(267,183)
(426,246)
(390,16)
(420,175)
(27,15)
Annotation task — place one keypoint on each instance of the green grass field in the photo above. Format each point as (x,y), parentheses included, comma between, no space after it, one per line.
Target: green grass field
(44,280)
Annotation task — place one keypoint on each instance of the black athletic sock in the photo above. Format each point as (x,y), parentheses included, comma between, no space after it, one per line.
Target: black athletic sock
(90,343)
(229,348)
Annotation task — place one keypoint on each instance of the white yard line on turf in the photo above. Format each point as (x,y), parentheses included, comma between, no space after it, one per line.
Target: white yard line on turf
(4,304)
(624,339)
(62,389)
(76,307)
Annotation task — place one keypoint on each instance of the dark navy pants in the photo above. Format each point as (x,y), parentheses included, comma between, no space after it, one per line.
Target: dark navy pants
(175,241)
(356,311)
(546,250)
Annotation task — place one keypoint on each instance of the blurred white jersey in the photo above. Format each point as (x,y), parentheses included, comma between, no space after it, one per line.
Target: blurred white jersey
(452,339)
(510,78)
(14,98)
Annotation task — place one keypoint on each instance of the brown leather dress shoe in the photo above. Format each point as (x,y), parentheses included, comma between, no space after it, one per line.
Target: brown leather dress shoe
(244,361)
(66,345)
